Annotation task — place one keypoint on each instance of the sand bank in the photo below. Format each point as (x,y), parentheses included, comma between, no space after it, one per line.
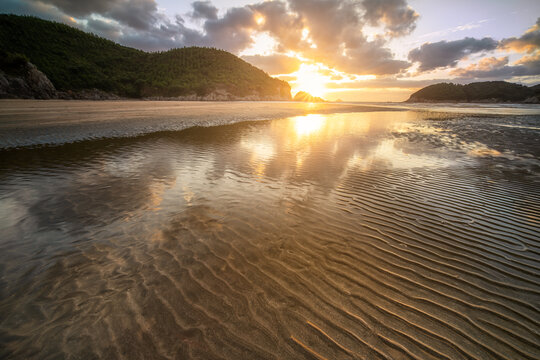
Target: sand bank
(38,122)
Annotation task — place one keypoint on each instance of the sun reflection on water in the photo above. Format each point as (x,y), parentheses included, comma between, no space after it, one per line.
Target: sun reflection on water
(308,125)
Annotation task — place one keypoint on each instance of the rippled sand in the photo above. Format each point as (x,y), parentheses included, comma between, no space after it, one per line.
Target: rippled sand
(377,235)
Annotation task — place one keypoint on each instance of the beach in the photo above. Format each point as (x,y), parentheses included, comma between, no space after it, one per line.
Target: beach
(166,230)
(54,122)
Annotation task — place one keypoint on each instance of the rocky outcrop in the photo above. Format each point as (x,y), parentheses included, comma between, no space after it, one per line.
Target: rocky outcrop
(27,83)
(479,92)
(222,95)
(305,97)
(87,94)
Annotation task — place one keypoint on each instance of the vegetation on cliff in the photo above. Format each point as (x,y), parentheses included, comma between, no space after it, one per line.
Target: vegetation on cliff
(487,91)
(75,60)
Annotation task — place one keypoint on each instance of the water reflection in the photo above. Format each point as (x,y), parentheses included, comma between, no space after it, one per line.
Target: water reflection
(308,125)
(262,240)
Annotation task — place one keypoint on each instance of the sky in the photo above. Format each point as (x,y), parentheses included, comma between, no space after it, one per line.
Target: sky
(367,50)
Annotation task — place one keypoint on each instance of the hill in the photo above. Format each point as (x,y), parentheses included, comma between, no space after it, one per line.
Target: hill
(74,60)
(305,97)
(488,91)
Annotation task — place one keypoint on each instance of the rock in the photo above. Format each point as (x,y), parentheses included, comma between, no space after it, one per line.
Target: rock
(532,100)
(222,95)
(28,83)
(305,97)
(87,94)
(39,83)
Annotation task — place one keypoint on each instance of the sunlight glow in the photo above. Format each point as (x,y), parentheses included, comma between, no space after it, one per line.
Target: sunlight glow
(310,80)
(308,125)
(263,44)
(259,19)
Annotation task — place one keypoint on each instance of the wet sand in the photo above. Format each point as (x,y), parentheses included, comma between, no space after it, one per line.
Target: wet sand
(374,235)
(54,122)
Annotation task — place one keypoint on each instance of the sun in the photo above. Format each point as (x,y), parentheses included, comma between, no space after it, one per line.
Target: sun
(310,80)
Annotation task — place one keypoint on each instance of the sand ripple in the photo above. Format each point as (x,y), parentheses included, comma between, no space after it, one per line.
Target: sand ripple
(271,240)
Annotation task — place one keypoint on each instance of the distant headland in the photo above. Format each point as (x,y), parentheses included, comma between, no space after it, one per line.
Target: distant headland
(306,97)
(483,92)
(42,59)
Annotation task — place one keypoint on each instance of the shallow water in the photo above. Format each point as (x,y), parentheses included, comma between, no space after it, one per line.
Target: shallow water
(364,235)
(466,108)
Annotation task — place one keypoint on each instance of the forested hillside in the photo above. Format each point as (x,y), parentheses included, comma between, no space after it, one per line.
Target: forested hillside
(487,91)
(75,60)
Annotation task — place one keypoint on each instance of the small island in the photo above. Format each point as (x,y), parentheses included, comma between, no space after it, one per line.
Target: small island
(478,92)
(306,97)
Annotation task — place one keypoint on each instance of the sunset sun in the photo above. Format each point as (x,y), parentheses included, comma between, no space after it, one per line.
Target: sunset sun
(310,80)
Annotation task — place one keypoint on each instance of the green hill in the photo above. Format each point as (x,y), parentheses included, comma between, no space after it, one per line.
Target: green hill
(487,91)
(75,60)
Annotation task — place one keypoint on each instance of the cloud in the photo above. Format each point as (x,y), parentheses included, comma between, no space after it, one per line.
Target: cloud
(484,65)
(274,64)
(204,10)
(83,8)
(384,82)
(327,31)
(34,8)
(528,42)
(447,53)
(398,18)
(465,27)
(231,32)
(498,68)
(108,29)
(330,32)
(137,14)
(280,23)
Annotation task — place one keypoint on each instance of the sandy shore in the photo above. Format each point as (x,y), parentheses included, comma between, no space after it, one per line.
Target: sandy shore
(32,113)
(38,122)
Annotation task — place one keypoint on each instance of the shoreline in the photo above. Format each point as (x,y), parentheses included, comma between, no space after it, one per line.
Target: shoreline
(27,123)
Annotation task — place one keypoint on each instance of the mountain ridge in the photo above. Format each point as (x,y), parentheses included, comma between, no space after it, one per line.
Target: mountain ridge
(77,62)
(486,91)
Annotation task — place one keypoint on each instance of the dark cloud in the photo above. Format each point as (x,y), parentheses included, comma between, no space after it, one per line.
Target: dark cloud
(232,32)
(528,42)
(492,68)
(83,8)
(204,10)
(274,64)
(24,7)
(137,14)
(398,18)
(448,53)
(103,28)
